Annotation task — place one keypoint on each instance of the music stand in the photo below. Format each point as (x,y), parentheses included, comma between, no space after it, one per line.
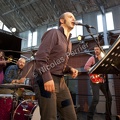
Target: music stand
(110,63)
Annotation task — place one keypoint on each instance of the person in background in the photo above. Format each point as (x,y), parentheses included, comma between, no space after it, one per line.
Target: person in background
(98,83)
(13,75)
(51,65)
(3,63)
(14,72)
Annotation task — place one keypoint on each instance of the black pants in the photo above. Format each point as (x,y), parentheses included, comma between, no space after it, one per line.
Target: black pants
(105,90)
(60,100)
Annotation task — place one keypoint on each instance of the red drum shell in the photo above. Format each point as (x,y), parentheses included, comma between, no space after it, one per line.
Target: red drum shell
(25,110)
(6,101)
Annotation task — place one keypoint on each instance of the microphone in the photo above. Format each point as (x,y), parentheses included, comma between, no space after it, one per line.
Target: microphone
(87,26)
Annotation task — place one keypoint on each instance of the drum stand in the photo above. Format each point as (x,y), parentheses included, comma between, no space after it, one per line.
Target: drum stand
(14,102)
(14,87)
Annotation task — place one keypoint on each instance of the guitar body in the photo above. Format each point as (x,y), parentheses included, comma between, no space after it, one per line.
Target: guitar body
(96,78)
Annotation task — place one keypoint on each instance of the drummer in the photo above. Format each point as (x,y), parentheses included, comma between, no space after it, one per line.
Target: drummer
(14,72)
(13,75)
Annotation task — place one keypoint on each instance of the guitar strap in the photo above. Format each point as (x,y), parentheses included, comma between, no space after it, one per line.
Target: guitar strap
(96,59)
(101,75)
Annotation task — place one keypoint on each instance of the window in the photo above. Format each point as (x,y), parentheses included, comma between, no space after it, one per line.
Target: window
(32,39)
(6,29)
(1,24)
(109,22)
(77,30)
(34,42)
(29,39)
(100,23)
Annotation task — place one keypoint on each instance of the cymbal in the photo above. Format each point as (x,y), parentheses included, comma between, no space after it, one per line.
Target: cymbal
(15,86)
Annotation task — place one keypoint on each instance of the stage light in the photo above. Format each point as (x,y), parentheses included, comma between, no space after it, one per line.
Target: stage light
(80,37)
(13,29)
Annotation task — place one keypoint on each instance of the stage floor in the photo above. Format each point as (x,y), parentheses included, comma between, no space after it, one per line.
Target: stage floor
(97,116)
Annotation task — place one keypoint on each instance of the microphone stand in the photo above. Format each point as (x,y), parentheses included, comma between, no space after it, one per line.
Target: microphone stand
(98,43)
(106,77)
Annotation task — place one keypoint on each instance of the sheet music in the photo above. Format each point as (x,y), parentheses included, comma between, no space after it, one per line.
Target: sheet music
(111,60)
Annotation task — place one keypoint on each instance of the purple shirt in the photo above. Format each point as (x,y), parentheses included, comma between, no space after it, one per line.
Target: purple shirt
(53,53)
(2,65)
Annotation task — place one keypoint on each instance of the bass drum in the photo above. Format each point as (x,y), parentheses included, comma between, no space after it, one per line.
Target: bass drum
(27,110)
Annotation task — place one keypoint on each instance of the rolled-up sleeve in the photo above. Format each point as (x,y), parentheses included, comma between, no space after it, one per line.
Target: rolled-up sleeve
(89,63)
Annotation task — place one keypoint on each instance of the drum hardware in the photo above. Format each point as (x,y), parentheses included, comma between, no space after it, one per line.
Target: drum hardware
(28,95)
(27,81)
(18,113)
(14,103)
(24,107)
(28,115)
(15,86)
(14,98)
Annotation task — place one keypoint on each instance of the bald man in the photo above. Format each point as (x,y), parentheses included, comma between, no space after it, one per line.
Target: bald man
(13,74)
(51,65)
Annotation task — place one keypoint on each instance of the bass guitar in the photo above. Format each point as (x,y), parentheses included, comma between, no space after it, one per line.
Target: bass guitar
(96,78)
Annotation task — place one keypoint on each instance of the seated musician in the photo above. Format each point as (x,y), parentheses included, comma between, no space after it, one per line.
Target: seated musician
(13,75)
(14,72)
(98,83)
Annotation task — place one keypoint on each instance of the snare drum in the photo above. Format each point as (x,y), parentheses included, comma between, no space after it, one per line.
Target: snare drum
(29,95)
(6,101)
(27,110)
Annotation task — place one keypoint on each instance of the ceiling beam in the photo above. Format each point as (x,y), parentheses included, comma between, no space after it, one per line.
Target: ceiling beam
(100,6)
(53,4)
(19,7)
(21,13)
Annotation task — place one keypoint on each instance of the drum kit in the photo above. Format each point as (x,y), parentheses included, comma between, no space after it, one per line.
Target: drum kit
(12,109)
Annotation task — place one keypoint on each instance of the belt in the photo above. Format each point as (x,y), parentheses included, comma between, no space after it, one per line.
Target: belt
(57,75)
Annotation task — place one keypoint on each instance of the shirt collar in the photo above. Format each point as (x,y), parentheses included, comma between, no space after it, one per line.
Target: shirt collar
(62,31)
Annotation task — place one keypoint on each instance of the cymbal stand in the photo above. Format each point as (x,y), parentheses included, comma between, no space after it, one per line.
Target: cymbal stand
(14,102)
